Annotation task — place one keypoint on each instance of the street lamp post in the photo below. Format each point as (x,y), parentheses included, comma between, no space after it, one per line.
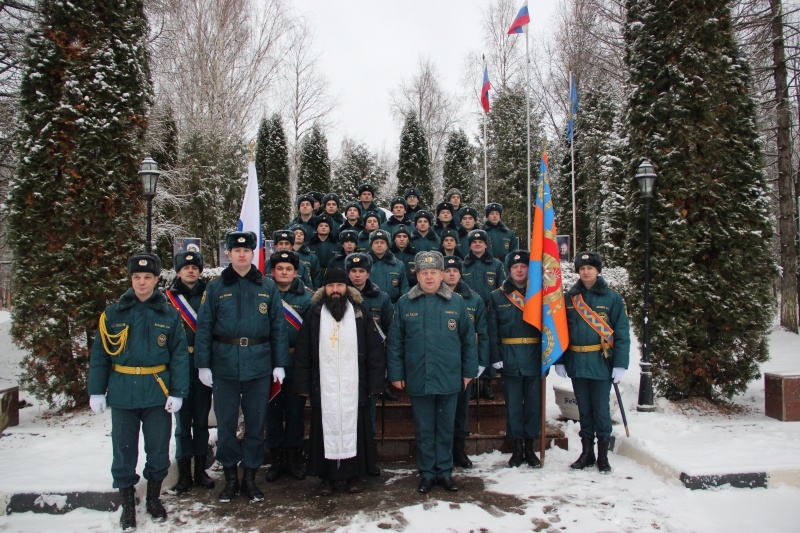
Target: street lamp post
(646,179)
(149,174)
(597,205)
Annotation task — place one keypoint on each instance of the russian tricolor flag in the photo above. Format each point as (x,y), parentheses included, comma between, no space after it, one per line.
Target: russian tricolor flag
(485,89)
(250,218)
(520,23)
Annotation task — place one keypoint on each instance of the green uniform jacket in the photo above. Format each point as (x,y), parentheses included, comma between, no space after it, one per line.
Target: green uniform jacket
(463,243)
(236,306)
(505,321)
(379,305)
(428,243)
(389,274)
(155,337)
(374,208)
(503,240)
(324,250)
(308,226)
(432,343)
(438,227)
(609,305)
(338,220)
(392,223)
(299,298)
(312,264)
(363,241)
(408,257)
(193,296)
(483,275)
(477,312)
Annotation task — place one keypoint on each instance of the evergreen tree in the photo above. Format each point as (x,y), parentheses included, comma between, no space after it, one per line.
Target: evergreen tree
(272,166)
(459,168)
(691,113)
(357,165)
(414,161)
(314,173)
(75,201)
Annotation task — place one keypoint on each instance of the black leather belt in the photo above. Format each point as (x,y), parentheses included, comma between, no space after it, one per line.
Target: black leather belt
(241,341)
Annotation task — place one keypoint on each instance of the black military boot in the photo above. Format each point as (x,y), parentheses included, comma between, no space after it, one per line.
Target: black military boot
(602,456)
(153,502)
(460,457)
(294,463)
(276,467)
(200,476)
(231,488)
(530,455)
(249,487)
(184,483)
(486,389)
(587,457)
(516,455)
(127,520)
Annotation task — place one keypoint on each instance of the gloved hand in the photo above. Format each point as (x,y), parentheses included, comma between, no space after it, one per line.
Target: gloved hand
(480,371)
(98,403)
(205,376)
(498,365)
(561,370)
(173,404)
(617,373)
(278,374)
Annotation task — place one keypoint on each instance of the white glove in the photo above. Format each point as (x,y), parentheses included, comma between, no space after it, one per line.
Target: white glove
(480,371)
(173,404)
(205,376)
(98,403)
(498,365)
(561,370)
(278,374)
(617,373)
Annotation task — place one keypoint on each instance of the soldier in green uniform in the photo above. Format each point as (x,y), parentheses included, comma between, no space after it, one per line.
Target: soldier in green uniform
(592,350)
(454,197)
(402,250)
(285,426)
(140,363)
(366,196)
(477,312)
(284,241)
(502,239)
(444,218)
(468,222)
(305,215)
(323,244)
(352,218)
(413,196)
(330,204)
(241,344)
(371,222)
(348,239)
(483,273)
(191,431)
(399,216)
(423,238)
(432,355)
(388,272)
(449,245)
(516,350)
(306,257)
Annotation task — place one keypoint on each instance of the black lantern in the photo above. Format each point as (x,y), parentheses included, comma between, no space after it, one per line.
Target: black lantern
(646,180)
(149,174)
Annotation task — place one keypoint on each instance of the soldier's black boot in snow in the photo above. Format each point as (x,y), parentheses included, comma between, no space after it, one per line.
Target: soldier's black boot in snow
(184,483)
(460,457)
(530,455)
(231,488)
(200,476)
(249,487)
(293,463)
(276,467)
(516,455)
(153,502)
(587,457)
(602,456)
(127,520)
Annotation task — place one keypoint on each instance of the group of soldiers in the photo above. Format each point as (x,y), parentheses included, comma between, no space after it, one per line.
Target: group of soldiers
(348,304)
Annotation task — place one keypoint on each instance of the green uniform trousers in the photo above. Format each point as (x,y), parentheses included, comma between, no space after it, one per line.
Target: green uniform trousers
(523,409)
(434,420)
(191,422)
(593,406)
(156,425)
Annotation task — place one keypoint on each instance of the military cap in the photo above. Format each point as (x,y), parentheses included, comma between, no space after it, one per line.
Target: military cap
(357,205)
(335,275)
(493,207)
(305,198)
(477,235)
(428,261)
(424,214)
(283,235)
(380,234)
(358,260)
(285,256)
(331,196)
(399,200)
(588,258)
(452,192)
(366,187)
(471,211)
(371,214)
(453,261)
(317,196)
(346,235)
(295,227)
(449,232)
(401,228)
(144,262)
(412,191)
(444,206)
(182,259)
(518,257)
(323,218)
(241,239)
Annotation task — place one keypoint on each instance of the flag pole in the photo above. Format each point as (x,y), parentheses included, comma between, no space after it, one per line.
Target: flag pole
(485,157)
(528,124)
(574,203)
(543,422)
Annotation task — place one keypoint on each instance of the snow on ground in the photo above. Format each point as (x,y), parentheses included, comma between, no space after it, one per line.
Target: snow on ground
(73,452)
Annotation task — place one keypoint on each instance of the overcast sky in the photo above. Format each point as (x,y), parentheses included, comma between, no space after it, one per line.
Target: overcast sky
(369,47)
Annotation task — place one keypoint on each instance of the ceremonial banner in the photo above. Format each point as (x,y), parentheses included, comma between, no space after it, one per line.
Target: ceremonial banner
(250,217)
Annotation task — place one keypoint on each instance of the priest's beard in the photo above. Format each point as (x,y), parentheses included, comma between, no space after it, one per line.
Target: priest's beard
(337,305)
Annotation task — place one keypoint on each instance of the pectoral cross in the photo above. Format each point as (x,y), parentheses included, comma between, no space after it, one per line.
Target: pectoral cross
(334,337)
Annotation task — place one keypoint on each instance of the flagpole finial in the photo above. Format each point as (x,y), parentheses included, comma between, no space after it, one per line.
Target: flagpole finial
(251,151)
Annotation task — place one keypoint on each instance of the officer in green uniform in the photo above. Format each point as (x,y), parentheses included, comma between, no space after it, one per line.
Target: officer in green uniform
(191,431)
(413,197)
(348,239)
(330,203)
(306,257)
(516,351)
(241,344)
(478,314)
(402,250)
(483,273)
(502,239)
(388,272)
(140,363)
(590,355)
(323,244)
(468,222)
(399,216)
(449,238)
(423,238)
(455,197)
(352,218)
(444,218)
(371,222)
(283,239)
(366,196)
(285,426)
(433,356)
(305,215)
